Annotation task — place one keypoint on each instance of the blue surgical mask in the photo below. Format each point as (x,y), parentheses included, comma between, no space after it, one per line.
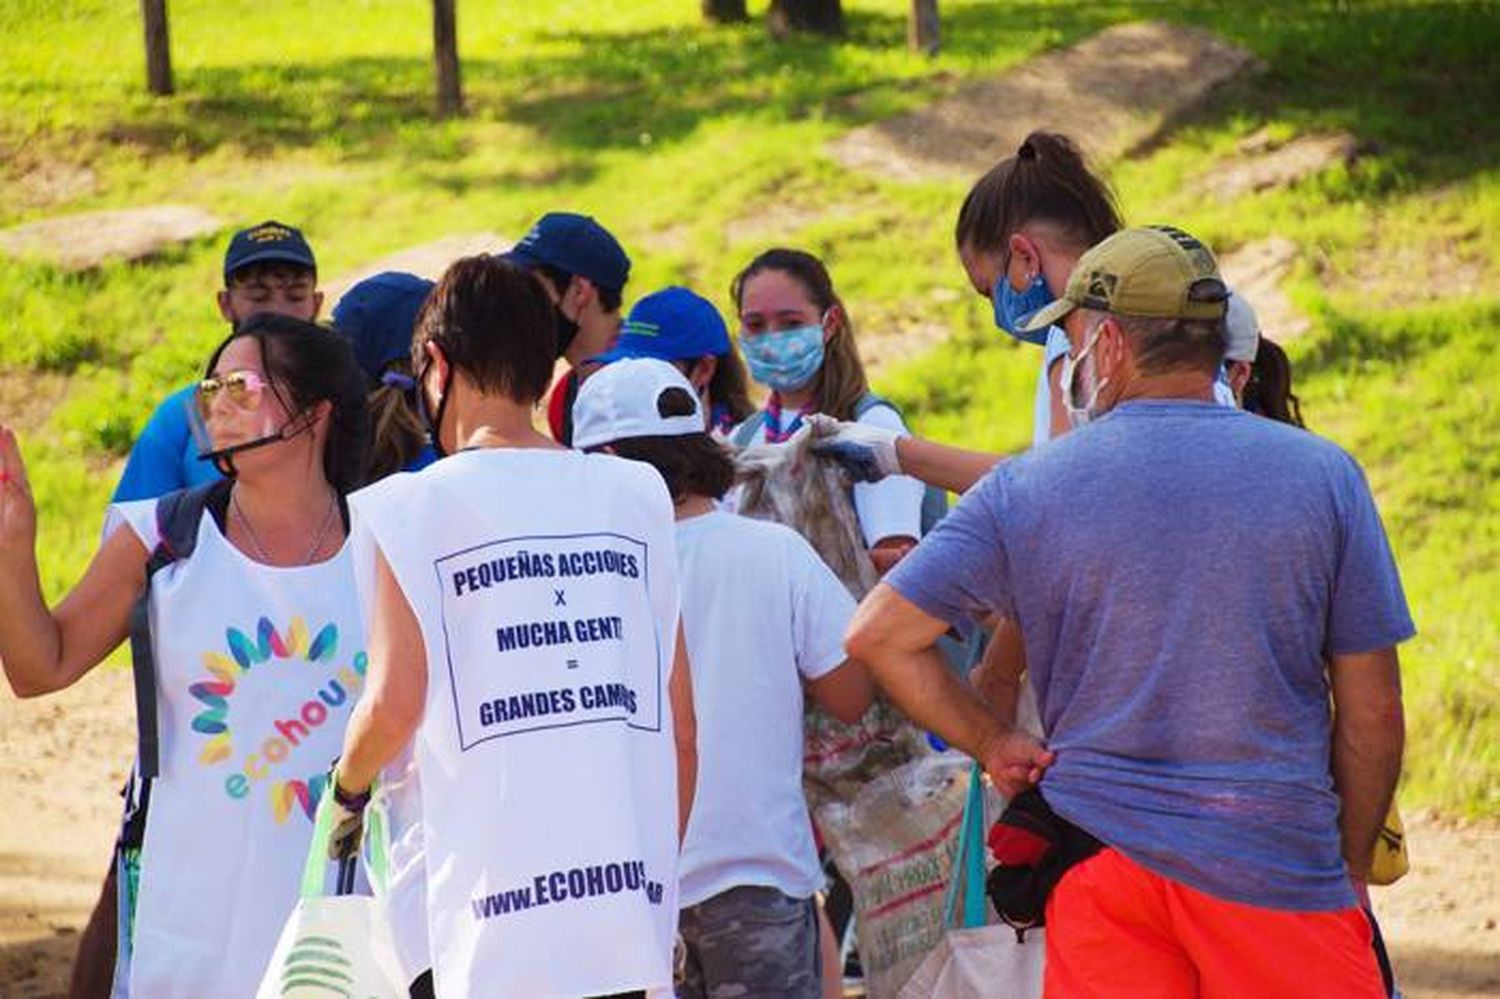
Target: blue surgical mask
(1013,308)
(784,360)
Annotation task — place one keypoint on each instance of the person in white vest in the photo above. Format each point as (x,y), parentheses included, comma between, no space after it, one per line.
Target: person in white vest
(762,615)
(525,646)
(248,652)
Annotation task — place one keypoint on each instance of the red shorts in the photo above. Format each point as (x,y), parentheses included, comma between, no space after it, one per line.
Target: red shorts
(1116,931)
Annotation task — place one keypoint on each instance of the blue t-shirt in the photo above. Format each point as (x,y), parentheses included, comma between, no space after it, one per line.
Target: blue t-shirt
(1181,572)
(165,456)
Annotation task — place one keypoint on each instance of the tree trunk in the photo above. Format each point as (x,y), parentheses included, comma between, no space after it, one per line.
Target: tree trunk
(823,17)
(450,94)
(725,11)
(158,51)
(922,27)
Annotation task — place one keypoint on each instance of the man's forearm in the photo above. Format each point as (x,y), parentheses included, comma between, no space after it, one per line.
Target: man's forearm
(952,468)
(1366,767)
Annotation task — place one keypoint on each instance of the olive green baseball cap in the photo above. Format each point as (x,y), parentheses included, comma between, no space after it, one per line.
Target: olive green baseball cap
(1155,272)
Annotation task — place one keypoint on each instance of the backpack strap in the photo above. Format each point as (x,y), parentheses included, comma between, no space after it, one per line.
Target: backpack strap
(177,517)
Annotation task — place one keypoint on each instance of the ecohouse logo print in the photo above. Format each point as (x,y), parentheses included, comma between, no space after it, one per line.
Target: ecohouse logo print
(262,756)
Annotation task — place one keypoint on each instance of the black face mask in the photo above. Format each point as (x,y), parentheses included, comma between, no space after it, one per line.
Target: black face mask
(432,421)
(567,329)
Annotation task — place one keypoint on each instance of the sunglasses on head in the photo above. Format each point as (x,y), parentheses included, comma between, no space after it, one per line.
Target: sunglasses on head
(243,388)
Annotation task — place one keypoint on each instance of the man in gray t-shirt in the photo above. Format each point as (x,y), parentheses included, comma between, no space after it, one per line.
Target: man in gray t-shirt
(1185,697)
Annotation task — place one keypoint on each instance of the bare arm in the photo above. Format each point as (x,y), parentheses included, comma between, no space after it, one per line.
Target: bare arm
(895,639)
(395,695)
(684,732)
(845,691)
(952,468)
(1369,733)
(998,675)
(47,650)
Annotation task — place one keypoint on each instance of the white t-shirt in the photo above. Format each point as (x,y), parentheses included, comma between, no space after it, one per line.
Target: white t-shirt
(892,507)
(761,612)
(545,586)
(258,668)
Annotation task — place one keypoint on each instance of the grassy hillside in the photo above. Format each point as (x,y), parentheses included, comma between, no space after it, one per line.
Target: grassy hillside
(701,146)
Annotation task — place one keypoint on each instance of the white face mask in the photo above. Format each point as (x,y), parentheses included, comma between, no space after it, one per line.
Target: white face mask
(1080,401)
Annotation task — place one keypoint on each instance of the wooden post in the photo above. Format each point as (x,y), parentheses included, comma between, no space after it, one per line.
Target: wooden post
(922,27)
(158,49)
(450,95)
(725,11)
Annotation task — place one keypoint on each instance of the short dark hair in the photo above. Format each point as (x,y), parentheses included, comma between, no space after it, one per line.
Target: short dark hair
(1046,180)
(494,323)
(691,464)
(610,299)
(314,364)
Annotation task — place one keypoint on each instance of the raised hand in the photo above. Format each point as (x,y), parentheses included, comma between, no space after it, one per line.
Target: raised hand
(867,453)
(17,509)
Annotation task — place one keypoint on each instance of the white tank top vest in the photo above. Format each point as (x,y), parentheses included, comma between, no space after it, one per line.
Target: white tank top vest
(545,586)
(257,669)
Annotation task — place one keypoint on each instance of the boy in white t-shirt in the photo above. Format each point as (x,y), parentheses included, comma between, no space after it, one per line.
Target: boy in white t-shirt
(762,615)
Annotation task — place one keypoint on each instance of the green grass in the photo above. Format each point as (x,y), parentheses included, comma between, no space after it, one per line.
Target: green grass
(700,146)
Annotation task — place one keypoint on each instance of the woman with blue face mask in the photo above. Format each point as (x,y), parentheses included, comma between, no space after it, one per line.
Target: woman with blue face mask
(1022,227)
(798,342)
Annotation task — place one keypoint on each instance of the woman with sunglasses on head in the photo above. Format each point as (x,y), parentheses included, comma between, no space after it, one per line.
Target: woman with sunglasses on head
(239,599)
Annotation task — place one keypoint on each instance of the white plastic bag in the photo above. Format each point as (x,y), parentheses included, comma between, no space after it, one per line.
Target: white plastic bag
(974,960)
(335,945)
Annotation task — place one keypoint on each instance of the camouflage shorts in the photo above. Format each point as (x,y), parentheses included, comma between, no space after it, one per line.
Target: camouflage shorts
(751,943)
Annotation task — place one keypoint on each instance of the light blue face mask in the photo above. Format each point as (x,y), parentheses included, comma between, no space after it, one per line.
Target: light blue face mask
(1013,308)
(784,360)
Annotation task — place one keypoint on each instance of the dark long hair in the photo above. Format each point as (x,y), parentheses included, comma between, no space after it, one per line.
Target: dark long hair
(1269,392)
(840,382)
(1046,180)
(308,364)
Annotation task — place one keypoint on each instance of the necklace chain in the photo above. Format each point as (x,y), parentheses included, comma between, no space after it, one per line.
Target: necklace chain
(260,549)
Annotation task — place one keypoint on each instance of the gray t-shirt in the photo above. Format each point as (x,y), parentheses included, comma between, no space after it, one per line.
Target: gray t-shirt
(1181,572)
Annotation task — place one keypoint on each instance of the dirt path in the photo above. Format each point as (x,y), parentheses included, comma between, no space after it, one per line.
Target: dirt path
(62,760)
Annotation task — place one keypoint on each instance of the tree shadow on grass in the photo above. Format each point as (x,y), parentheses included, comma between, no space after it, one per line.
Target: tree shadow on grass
(1411,79)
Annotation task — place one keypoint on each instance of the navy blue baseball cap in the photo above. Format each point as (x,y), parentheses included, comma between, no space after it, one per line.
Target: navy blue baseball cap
(378,315)
(269,241)
(673,324)
(575,244)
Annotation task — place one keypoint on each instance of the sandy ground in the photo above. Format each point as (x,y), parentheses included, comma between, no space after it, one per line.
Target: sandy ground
(62,760)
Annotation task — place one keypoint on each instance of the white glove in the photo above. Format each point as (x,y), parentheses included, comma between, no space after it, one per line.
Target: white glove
(867,453)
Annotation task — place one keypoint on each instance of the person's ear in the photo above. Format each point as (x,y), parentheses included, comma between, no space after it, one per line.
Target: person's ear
(833,321)
(317,300)
(586,294)
(437,361)
(222,298)
(701,372)
(1025,260)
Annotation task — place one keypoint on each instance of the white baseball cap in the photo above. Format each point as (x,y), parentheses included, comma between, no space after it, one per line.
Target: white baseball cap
(622,400)
(1242,330)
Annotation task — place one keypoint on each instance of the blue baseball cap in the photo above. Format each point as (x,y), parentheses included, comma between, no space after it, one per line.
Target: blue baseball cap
(269,241)
(575,244)
(673,324)
(378,315)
